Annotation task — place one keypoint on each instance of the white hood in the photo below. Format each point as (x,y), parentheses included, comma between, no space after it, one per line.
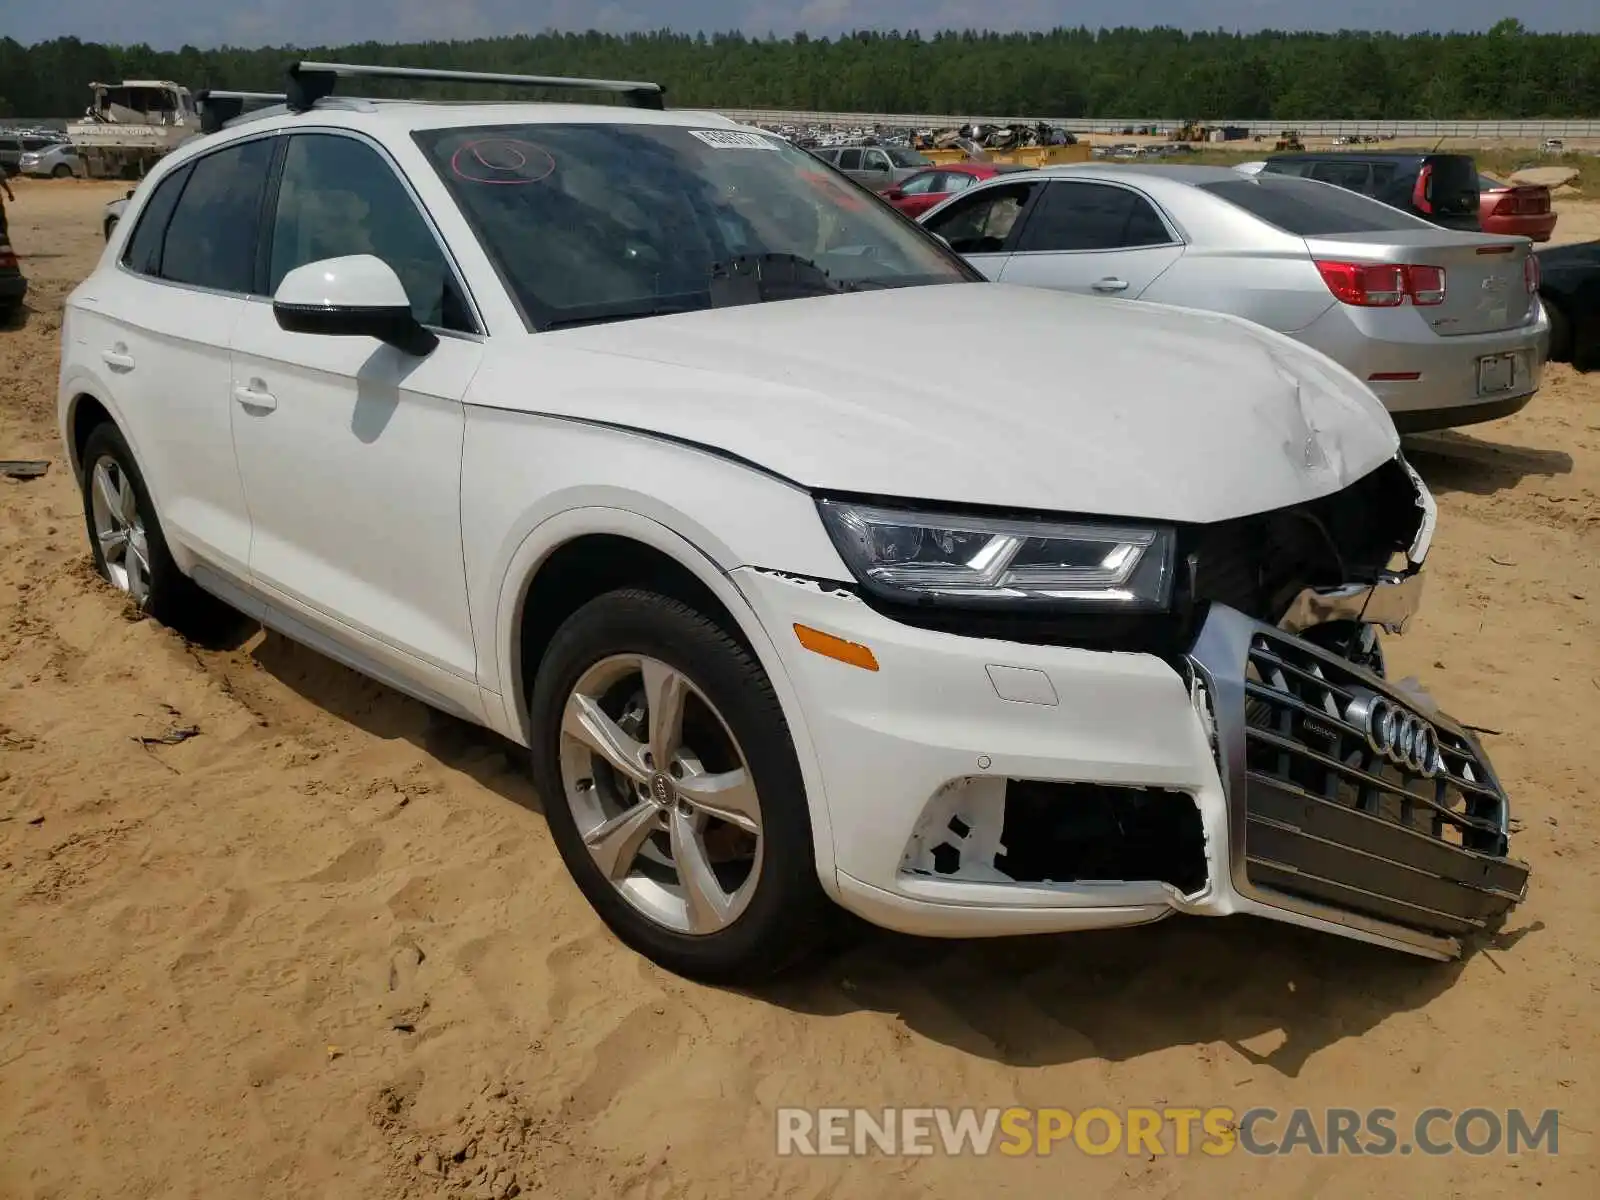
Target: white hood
(975,394)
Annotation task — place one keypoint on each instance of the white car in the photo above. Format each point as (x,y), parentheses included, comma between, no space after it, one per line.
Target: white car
(591,425)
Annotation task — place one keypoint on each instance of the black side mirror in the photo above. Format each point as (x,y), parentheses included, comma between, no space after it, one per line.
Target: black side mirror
(395,326)
(355,296)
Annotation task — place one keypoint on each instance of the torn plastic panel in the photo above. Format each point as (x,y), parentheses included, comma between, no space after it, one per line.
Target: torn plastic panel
(1025,831)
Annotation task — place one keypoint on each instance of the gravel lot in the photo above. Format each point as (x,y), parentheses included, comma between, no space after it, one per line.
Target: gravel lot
(325,945)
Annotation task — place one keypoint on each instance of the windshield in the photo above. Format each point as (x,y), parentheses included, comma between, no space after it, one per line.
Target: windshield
(907,158)
(598,222)
(1307,208)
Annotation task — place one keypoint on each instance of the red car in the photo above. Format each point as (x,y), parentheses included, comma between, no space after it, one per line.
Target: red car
(1520,210)
(916,194)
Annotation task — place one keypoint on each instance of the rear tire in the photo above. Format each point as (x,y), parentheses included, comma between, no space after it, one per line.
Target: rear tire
(62,171)
(765,914)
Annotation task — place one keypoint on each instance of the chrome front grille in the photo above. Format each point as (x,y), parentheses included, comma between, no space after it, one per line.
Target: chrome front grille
(1333,818)
(1324,823)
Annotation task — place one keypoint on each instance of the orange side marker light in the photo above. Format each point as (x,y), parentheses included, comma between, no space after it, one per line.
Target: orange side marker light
(851,653)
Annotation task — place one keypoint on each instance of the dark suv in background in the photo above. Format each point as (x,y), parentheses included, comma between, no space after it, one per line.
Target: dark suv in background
(1441,188)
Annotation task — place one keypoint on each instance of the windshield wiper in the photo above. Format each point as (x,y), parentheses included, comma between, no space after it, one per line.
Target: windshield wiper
(634,313)
(759,278)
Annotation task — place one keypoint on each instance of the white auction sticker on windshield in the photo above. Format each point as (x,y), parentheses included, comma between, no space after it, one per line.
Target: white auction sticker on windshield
(733,139)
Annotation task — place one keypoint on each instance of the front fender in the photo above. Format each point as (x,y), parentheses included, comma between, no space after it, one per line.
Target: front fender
(555,531)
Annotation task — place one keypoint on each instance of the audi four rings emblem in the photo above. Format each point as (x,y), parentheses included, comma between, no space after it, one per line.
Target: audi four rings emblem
(1399,735)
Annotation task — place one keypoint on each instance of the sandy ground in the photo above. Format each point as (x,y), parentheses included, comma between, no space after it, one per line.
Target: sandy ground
(326,943)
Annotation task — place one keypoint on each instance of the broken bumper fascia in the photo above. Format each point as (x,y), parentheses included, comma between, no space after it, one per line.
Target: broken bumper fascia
(885,742)
(1390,603)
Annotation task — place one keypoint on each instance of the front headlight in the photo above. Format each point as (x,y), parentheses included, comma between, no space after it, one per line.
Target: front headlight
(914,557)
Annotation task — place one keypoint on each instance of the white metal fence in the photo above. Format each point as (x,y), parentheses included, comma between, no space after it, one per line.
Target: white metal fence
(1255,125)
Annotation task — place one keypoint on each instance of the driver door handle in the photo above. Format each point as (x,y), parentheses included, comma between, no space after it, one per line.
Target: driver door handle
(261,401)
(1110,284)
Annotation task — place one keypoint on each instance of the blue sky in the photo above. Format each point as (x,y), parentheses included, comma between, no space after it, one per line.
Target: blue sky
(170,23)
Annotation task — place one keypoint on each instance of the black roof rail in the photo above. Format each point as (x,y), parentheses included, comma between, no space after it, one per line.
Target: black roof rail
(312,81)
(218,107)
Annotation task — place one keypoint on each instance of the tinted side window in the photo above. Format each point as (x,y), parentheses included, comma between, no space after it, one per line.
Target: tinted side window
(339,196)
(1352,175)
(1279,166)
(981,224)
(211,241)
(1309,209)
(849,160)
(1091,216)
(144,247)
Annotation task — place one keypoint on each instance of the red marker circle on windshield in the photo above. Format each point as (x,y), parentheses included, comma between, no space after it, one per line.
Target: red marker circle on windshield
(502,161)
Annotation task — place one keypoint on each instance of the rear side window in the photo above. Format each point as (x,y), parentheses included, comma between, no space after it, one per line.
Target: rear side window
(849,160)
(144,247)
(211,241)
(1308,209)
(1345,174)
(1091,216)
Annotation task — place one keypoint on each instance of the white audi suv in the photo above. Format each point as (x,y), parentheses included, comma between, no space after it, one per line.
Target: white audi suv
(596,425)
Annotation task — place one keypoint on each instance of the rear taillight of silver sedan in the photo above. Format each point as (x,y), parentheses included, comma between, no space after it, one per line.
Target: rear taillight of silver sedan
(1383,285)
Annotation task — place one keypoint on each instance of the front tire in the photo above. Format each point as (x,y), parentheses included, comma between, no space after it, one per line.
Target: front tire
(130,550)
(672,790)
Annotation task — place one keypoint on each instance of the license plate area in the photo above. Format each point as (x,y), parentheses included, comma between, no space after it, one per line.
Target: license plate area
(1496,373)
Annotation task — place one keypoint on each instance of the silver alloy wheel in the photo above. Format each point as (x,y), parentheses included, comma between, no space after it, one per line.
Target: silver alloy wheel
(114,508)
(661,793)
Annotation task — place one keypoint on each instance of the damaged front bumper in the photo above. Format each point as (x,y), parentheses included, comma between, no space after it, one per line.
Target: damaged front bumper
(973,786)
(1349,799)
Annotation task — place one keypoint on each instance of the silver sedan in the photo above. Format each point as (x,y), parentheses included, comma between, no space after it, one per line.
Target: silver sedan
(1445,327)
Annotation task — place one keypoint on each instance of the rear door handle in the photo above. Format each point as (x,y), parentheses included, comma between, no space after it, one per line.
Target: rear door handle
(255,398)
(1110,284)
(117,358)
